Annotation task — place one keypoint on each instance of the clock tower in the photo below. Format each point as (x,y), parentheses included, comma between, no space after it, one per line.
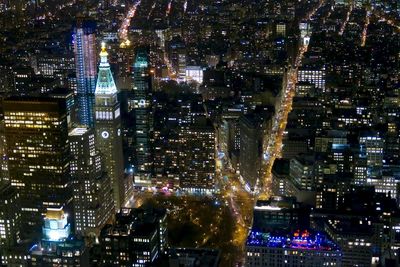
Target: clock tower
(108,127)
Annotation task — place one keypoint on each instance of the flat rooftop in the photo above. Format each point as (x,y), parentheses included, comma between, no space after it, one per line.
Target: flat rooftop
(301,240)
(78,131)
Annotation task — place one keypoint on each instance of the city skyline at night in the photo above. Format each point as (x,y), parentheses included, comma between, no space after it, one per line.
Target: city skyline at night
(200,133)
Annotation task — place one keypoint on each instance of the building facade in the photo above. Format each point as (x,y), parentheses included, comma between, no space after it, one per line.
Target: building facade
(57,246)
(93,196)
(108,128)
(137,238)
(251,149)
(86,69)
(10,219)
(36,132)
(197,157)
(142,94)
(296,249)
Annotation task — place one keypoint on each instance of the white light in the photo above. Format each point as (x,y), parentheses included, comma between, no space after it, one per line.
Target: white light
(105,134)
(266,208)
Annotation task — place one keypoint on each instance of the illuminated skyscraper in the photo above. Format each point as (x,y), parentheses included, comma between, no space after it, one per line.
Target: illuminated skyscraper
(86,65)
(93,199)
(4,177)
(10,218)
(58,246)
(197,157)
(36,133)
(108,128)
(143,112)
(56,226)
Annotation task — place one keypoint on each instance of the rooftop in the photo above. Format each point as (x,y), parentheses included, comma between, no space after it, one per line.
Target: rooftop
(277,203)
(197,257)
(78,131)
(302,240)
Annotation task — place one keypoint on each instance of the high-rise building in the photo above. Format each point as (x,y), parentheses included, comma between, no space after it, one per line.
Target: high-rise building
(4,177)
(165,142)
(137,238)
(10,218)
(86,66)
(252,129)
(13,249)
(372,144)
(197,157)
(22,80)
(302,172)
(57,247)
(303,178)
(6,79)
(177,54)
(108,128)
(69,99)
(38,151)
(314,75)
(93,198)
(143,117)
(354,238)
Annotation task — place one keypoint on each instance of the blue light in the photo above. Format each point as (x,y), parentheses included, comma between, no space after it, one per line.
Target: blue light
(33,247)
(315,241)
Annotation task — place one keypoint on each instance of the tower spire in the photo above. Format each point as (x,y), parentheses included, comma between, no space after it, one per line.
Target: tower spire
(105,81)
(103,53)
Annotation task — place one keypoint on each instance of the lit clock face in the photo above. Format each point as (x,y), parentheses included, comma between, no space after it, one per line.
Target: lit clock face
(105,134)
